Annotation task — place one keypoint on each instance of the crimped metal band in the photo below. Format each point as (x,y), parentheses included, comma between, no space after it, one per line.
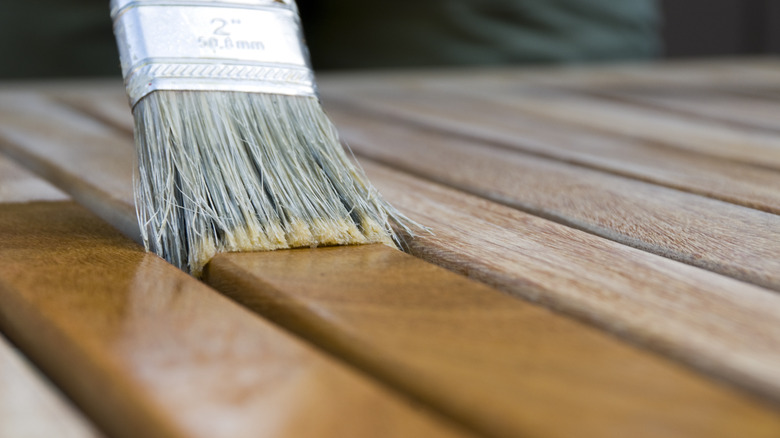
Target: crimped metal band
(237,45)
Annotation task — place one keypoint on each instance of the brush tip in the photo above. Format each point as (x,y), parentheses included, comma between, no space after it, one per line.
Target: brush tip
(229,171)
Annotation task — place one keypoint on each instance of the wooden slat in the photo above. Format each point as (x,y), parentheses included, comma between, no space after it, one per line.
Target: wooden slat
(717,324)
(429,333)
(19,185)
(707,104)
(725,238)
(31,407)
(21,120)
(748,185)
(505,367)
(147,350)
(755,78)
(647,124)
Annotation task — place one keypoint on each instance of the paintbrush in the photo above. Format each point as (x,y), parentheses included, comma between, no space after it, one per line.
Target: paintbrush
(234,152)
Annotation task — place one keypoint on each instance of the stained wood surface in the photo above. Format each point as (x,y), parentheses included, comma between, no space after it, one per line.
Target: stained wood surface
(455,344)
(726,328)
(505,367)
(30,407)
(147,350)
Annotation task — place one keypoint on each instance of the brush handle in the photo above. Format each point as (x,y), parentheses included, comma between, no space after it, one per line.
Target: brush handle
(211,46)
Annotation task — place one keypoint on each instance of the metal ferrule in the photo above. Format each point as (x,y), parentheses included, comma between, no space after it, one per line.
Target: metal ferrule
(237,45)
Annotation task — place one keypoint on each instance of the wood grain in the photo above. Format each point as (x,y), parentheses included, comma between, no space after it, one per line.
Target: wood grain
(711,104)
(19,185)
(503,367)
(514,128)
(22,113)
(754,78)
(711,234)
(30,407)
(147,350)
(651,125)
(744,76)
(725,327)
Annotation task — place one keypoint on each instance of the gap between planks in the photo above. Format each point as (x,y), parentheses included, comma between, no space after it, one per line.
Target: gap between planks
(714,235)
(734,242)
(147,350)
(515,129)
(687,331)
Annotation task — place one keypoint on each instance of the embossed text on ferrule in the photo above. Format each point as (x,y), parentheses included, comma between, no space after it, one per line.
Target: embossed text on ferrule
(211,45)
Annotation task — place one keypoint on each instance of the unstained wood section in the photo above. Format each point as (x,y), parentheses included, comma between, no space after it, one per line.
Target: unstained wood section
(499,335)
(516,127)
(717,324)
(30,407)
(709,138)
(745,76)
(732,240)
(711,104)
(147,350)
(33,126)
(19,185)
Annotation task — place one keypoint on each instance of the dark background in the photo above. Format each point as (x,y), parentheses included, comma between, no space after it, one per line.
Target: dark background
(694,28)
(31,43)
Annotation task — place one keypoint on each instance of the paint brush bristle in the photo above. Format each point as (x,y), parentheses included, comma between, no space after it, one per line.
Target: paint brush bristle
(232,171)
(234,151)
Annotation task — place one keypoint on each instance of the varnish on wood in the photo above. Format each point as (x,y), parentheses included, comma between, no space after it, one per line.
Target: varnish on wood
(485,359)
(146,350)
(30,406)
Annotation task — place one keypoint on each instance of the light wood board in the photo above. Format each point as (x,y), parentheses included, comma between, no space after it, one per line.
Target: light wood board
(729,239)
(515,127)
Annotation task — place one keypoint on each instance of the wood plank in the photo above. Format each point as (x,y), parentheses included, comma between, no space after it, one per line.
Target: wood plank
(746,185)
(512,127)
(721,237)
(650,125)
(22,112)
(147,350)
(31,407)
(503,366)
(716,324)
(755,78)
(740,76)
(725,91)
(449,326)
(19,185)
(708,104)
